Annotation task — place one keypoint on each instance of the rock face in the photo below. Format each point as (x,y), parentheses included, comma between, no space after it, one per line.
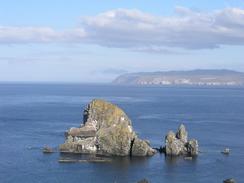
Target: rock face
(106,130)
(182,134)
(178,144)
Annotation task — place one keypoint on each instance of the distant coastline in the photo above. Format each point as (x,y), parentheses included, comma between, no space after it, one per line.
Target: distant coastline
(184,78)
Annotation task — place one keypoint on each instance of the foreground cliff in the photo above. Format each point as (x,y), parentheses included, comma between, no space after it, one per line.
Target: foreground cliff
(106,130)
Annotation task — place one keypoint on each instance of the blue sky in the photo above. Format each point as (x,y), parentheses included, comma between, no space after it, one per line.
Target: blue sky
(94,41)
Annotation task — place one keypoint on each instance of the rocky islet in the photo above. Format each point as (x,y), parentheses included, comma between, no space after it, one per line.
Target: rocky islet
(178,144)
(106,130)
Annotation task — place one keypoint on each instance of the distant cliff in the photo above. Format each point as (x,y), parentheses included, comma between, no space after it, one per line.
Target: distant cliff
(194,77)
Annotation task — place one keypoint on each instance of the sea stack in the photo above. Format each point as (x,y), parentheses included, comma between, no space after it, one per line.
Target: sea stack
(106,130)
(178,144)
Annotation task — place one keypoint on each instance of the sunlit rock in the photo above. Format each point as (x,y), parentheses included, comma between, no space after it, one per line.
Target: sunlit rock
(178,144)
(107,130)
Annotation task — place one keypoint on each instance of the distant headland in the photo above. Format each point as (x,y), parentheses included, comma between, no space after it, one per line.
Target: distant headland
(192,77)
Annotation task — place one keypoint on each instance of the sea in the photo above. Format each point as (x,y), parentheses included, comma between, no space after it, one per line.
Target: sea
(34,115)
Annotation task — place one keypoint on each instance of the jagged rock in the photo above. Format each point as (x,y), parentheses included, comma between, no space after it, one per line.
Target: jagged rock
(115,140)
(107,130)
(178,144)
(192,147)
(141,148)
(182,133)
(170,137)
(173,146)
(229,181)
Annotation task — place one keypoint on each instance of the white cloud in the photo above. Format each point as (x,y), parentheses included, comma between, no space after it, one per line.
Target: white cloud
(187,29)
(19,35)
(138,31)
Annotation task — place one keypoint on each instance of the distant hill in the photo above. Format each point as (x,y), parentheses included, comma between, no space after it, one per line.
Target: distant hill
(193,77)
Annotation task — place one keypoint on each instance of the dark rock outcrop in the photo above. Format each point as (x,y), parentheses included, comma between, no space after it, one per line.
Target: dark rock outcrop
(178,144)
(229,181)
(106,130)
(141,148)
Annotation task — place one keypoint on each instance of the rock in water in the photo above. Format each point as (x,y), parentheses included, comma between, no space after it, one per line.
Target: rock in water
(226,151)
(106,130)
(141,148)
(229,181)
(173,146)
(47,149)
(192,147)
(178,144)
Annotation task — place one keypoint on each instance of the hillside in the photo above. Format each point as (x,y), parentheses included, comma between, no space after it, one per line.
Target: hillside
(194,77)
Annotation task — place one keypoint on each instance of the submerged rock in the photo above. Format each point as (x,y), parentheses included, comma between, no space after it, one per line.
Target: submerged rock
(143,181)
(188,158)
(91,160)
(106,130)
(47,149)
(178,144)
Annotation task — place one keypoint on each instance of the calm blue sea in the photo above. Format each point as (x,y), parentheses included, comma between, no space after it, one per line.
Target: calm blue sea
(34,115)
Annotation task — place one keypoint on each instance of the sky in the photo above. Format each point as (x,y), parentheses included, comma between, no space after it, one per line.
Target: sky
(97,40)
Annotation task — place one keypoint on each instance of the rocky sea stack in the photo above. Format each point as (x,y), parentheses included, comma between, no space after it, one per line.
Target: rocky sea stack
(178,144)
(106,130)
